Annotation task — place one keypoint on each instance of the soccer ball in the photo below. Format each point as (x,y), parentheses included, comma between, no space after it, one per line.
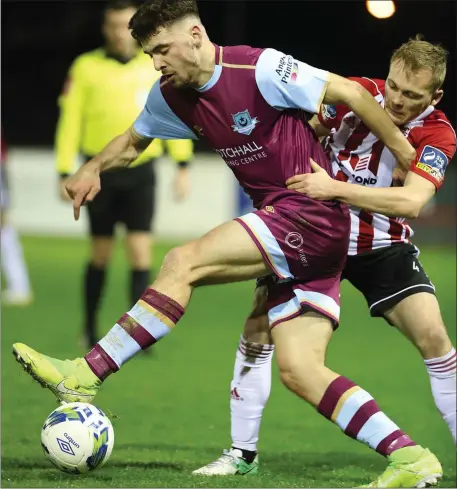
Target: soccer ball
(77,437)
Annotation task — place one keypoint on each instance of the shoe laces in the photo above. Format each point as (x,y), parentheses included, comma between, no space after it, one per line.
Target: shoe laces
(227,456)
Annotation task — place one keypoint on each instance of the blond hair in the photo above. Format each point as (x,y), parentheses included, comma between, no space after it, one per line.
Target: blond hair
(417,55)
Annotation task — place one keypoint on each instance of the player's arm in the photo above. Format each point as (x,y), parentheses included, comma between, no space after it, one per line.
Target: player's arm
(288,83)
(155,121)
(120,151)
(425,176)
(406,201)
(320,130)
(340,90)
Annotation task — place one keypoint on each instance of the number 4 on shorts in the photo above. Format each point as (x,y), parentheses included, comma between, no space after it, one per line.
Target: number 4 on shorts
(415,266)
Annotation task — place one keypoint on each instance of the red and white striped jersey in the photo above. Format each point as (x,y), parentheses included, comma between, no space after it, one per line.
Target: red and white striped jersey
(358,156)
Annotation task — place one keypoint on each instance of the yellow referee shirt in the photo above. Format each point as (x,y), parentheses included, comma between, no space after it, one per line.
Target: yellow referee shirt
(102,97)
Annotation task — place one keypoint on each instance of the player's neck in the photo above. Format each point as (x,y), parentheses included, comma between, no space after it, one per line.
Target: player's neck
(208,62)
(122,57)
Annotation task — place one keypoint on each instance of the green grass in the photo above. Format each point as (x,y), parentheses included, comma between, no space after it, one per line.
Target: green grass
(173,406)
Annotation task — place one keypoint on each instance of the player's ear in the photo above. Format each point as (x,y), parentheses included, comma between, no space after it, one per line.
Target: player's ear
(437,96)
(197,36)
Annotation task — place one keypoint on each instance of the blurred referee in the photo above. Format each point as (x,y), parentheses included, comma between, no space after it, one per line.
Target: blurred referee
(103,94)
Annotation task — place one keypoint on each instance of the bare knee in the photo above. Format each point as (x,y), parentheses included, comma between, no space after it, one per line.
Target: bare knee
(418,317)
(257,327)
(178,263)
(433,341)
(299,377)
(101,251)
(257,330)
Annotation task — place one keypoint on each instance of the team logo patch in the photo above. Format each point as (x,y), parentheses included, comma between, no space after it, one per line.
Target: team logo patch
(294,240)
(328,111)
(244,124)
(294,74)
(433,161)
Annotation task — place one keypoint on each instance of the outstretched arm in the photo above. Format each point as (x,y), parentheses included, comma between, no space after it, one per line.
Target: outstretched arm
(288,83)
(120,151)
(406,201)
(340,90)
(155,121)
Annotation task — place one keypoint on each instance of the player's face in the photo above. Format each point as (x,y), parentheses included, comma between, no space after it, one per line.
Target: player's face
(175,52)
(408,94)
(116,31)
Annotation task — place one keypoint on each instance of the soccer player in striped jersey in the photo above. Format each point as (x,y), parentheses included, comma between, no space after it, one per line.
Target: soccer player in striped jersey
(382,263)
(248,104)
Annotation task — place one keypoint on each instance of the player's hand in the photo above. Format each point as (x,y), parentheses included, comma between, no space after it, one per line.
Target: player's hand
(181,184)
(63,191)
(398,176)
(317,185)
(83,186)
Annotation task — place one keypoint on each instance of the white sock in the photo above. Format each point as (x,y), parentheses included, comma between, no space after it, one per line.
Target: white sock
(442,373)
(250,390)
(13,263)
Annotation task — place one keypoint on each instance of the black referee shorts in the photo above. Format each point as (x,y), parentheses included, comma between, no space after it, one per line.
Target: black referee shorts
(127,197)
(387,275)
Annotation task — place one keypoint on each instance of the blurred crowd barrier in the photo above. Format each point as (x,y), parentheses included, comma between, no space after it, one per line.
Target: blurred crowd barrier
(215,197)
(37,209)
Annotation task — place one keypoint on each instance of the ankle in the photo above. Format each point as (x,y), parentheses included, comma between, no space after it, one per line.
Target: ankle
(100,363)
(248,455)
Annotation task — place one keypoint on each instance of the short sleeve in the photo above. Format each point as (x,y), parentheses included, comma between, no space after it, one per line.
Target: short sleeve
(286,83)
(434,150)
(157,120)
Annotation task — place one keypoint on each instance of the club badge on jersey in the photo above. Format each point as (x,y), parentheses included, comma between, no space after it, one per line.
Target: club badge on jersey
(328,112)
(433,161)
(244,124)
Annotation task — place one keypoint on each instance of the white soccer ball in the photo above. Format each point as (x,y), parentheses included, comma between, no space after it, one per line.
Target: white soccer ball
(77,437)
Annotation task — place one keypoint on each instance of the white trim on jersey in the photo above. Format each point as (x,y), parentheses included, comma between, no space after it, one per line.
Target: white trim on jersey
(315,300)
(265,238)
(400,292)
(376,85)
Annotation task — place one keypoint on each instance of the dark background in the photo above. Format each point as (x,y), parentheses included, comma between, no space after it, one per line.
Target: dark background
(40,40)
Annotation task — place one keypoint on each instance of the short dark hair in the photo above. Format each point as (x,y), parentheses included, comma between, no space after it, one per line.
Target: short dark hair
(120,5)
(155,14)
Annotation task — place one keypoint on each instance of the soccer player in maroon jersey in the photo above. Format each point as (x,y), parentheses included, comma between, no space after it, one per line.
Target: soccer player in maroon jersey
(248,104)
(382,263)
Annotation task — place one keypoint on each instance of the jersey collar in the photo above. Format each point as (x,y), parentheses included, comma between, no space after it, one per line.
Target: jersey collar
(216,73)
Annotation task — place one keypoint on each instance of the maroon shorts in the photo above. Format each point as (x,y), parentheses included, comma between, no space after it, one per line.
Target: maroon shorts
(306,249)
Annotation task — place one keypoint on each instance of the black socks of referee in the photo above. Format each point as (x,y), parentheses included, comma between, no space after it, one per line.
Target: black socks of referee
(139,282)
(94,282)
